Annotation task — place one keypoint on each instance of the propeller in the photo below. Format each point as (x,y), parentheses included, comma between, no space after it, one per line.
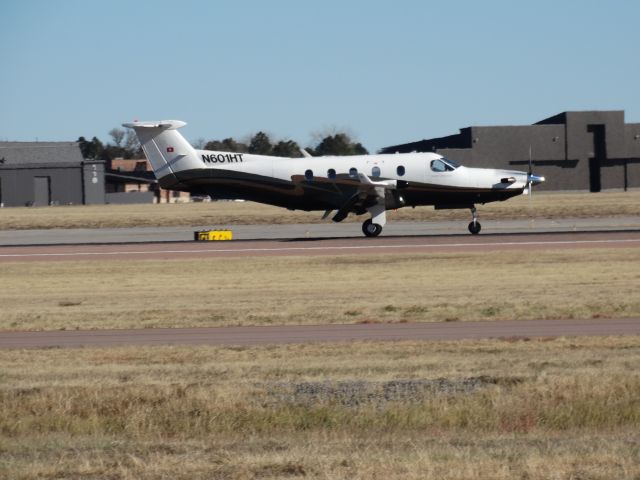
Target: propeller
(531,181)
(531,178)
(529,173)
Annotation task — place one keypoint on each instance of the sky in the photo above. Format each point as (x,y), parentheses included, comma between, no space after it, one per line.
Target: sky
(386,72)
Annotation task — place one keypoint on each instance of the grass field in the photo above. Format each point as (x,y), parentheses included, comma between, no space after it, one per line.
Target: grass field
(98,294)
(498,409)
(544,205)
(492,409)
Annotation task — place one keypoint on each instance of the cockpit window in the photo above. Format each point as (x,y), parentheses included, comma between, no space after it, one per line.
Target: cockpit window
(451,163)
(443,165)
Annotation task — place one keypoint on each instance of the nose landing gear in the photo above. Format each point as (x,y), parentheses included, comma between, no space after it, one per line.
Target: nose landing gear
(474,226)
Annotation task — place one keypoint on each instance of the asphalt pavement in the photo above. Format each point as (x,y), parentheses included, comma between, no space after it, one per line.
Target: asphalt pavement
(310,230)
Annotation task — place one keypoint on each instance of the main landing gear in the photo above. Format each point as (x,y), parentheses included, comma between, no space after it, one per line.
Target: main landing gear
(371,229)
(474,226)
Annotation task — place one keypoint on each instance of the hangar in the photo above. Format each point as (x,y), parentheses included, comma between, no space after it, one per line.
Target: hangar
(49,173)
(589,150)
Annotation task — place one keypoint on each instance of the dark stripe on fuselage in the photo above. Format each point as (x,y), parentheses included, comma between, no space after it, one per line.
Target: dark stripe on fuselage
(318,194)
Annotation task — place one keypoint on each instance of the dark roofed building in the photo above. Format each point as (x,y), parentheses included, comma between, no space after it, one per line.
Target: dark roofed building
(48,173)
(590,150)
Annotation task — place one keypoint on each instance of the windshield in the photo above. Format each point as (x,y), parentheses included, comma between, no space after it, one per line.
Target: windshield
(443,165)
(451,163)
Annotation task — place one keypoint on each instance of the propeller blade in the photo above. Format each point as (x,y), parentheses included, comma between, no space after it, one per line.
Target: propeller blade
(529,184)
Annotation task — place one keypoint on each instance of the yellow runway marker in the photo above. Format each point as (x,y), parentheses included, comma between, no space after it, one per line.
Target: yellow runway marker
(213,235)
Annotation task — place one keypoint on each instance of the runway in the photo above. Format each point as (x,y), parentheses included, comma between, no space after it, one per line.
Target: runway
(79,236)
(508,330)
(325,246)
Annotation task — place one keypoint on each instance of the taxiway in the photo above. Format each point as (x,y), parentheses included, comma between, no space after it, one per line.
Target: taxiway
(285,334)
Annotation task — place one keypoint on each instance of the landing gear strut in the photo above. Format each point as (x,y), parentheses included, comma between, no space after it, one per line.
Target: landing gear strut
(371,229)
(474,226)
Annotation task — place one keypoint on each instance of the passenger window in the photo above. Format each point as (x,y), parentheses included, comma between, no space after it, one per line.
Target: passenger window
(353,172)
(375,172)
(331,173)
(400,170)
(308,175)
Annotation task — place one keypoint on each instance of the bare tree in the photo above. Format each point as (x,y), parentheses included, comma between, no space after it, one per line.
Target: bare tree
(117,134)
(132,145)
(199,143)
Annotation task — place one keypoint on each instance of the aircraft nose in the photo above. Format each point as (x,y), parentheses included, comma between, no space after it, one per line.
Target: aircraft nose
(534,179)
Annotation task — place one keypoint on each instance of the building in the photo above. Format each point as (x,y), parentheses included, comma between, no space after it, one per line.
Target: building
(591,150)
(130,181)
(133,181)
(49,173)
(54,173)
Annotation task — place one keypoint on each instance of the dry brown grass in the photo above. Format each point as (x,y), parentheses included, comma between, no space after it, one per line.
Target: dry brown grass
(545,205)
(336,289)
(538,409)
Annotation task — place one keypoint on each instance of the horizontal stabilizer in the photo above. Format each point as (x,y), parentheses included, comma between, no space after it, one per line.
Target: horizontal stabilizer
(164,124)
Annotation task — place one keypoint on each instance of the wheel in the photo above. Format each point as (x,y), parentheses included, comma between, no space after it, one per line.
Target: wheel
(474,228)
(371,229)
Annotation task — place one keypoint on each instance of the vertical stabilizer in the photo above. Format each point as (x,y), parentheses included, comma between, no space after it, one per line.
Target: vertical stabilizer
(165,148)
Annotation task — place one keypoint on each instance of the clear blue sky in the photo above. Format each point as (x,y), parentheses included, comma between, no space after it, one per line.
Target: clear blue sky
(386,71)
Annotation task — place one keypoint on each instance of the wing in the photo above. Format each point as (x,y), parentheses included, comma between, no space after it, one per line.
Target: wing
(370,195)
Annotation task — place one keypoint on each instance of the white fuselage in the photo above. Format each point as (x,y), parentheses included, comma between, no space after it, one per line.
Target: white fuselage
(359,183)
(416,168)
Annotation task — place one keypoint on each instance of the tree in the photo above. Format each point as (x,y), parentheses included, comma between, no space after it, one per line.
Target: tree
(339,144)
(232,146)
(358,149)
(99,147)
(92,149)
(260,144)
(86,148)
(117,134)
(226,145)
(132,146)
(126,145)
(215,145)
(287,148)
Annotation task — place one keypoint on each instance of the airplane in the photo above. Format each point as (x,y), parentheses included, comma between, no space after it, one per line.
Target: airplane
(356,184)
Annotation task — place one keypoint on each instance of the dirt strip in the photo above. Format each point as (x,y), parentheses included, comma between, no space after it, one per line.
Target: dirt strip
(510,330)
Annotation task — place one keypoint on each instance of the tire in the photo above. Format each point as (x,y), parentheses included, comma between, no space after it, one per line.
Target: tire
(371,229)
(474,228)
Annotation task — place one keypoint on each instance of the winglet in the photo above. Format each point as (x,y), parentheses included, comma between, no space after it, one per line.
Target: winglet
(305,153)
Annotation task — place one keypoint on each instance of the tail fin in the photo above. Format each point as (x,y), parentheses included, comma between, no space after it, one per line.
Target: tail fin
(165,148)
